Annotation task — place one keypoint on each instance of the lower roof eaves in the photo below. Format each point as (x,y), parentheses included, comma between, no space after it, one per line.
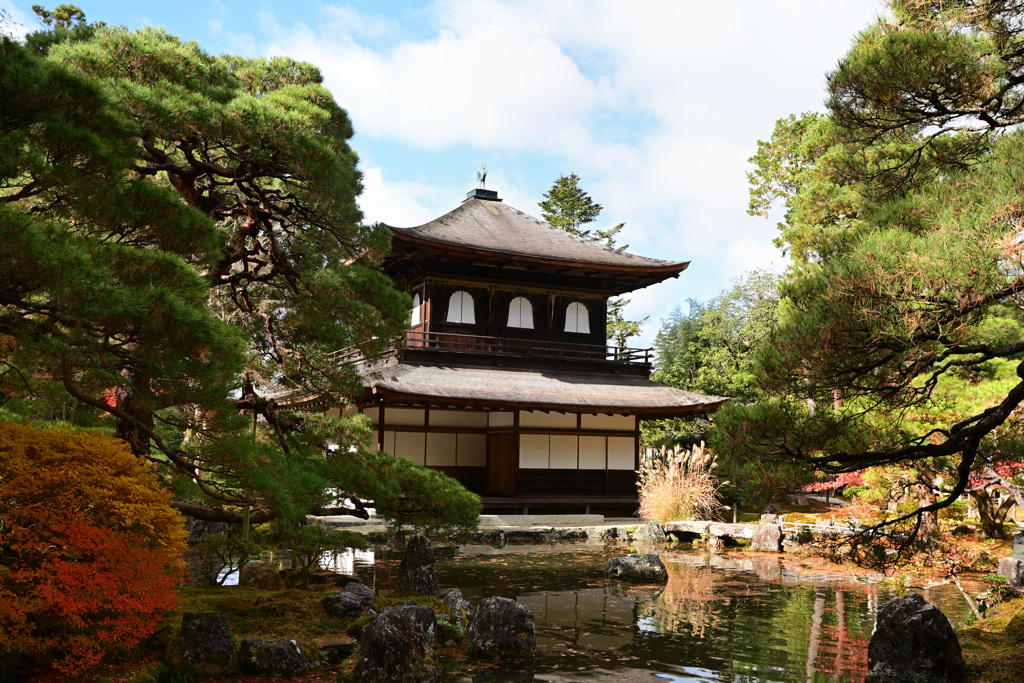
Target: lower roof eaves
(533,390)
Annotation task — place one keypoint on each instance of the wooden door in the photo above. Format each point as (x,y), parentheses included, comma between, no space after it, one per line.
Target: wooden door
(502,464)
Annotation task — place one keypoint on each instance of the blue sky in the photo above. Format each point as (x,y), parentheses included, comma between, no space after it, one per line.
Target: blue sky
(655,105)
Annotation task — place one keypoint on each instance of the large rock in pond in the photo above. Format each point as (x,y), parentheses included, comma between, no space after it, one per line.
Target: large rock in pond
(1013,569)
(350,601)
(460,613)
(1018,546)
(262,575)
(638,569)
(392,649)
(767,538)
(273,657)
(416,573)
(420,616)
(914,643)
(501,628)
(649,533)
(208,648)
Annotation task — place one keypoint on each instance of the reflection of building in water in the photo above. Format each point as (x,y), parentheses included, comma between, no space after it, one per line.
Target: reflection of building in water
(593,619)
(346,562)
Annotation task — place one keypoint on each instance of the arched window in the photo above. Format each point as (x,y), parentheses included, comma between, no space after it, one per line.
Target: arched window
(520,313)
(415,319)
(577,318)
(460,308)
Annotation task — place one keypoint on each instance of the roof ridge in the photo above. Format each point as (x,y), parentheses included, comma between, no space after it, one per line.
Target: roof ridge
(501,228)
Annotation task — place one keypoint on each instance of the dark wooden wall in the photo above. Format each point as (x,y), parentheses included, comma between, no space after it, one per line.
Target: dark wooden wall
(491,304)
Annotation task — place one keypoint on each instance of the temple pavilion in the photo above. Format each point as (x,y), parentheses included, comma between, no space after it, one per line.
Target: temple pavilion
(505,380)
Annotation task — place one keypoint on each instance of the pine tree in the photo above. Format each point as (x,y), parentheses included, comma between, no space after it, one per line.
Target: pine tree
(570,208)
(903,207)
(181,241)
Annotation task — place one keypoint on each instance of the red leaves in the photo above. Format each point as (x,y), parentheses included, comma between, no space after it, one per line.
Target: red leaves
(92,549)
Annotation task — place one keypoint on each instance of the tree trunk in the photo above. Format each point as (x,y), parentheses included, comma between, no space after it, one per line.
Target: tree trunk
(131,431)
(219,514)
(991,517)
(929,531)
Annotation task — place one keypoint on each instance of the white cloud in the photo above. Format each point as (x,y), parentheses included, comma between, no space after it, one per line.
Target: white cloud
(488,87)
(657,106)
(14,22)
(401,204)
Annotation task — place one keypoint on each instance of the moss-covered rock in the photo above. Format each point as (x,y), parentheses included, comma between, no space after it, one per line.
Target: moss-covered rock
(392,649)
(501,628)
(638,569)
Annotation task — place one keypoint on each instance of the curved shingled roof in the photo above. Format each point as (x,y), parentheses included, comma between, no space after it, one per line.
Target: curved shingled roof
(537,390)
(489,225)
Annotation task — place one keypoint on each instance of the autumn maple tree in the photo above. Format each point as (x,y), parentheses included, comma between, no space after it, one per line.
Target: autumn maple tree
(90,549)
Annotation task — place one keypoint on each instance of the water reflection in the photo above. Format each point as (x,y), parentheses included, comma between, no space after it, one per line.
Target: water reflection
(688,603)
(732,617)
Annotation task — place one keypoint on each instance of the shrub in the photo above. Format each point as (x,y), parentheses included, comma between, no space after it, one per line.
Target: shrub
(424,499)
(90,549)
(219,556)
(310,543)
(956,512)
(679,485)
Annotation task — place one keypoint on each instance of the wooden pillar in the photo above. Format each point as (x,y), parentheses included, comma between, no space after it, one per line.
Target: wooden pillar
(427,299)
(551,317)
(380,425)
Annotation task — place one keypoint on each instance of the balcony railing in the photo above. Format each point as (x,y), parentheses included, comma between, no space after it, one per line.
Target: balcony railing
(504,346)
(532,348)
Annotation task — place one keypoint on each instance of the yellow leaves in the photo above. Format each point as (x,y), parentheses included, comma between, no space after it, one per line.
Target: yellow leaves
(86,472)
(92,546)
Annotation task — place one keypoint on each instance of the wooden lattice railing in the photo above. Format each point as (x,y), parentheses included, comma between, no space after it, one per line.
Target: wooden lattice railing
(504,346)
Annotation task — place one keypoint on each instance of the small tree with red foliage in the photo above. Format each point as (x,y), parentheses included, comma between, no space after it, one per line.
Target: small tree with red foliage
(90,549)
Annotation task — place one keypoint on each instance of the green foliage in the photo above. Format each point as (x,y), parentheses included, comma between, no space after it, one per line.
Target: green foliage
(144,281)
(310,542)
(570,208)
(710,350)
(424,499)
(619,330)
(902,214)
(218,556)
(64,16)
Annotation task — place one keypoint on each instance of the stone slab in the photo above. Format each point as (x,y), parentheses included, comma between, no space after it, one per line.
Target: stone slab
(539,520)
(718,529)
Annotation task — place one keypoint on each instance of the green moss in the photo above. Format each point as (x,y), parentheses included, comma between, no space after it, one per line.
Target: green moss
(1015,629)
(992,646)
(355,627)
(293,613)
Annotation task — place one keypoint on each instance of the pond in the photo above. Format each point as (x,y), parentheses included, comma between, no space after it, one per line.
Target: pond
(732,616)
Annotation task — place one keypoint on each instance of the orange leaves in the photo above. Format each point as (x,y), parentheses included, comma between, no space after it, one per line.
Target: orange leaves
(91,547)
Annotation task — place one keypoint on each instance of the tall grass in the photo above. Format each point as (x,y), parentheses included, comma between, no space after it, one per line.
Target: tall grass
(679,485)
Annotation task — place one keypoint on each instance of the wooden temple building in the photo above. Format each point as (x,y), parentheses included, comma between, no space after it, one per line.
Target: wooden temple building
(505,380)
